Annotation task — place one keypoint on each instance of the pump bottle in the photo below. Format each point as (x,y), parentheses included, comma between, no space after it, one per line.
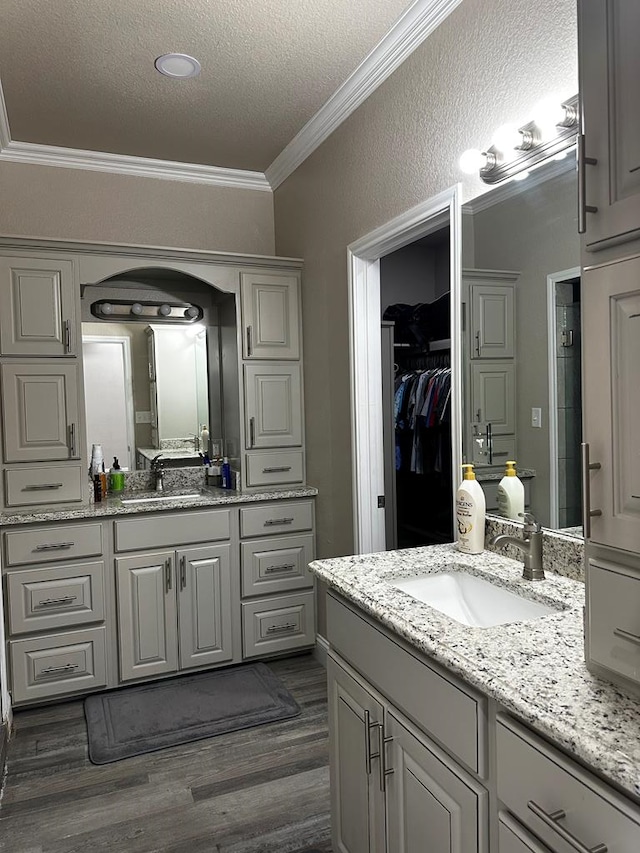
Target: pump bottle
(511,494)
(470,512)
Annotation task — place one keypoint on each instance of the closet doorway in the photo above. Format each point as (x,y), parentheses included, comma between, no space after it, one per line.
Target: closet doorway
(368,454)
(415,302)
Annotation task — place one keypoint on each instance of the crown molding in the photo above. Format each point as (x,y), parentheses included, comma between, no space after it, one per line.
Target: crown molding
(408,33)
(142,167)
(512,188)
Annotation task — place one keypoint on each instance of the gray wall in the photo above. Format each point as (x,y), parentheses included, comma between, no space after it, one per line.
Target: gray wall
(489,62)
(535,233)
(72,204)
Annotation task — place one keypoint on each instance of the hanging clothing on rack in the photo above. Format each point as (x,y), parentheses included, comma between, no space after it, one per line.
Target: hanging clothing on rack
(422,407)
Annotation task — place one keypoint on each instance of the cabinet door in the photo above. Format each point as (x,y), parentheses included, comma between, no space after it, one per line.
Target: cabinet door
(37,307)
(40,409)
(204,605)
(611,399)
(492,319)
(431,803)
(609,73)
(513,838)
(273,405)
(146,601)
(270,316)
(493,395)
(357,802)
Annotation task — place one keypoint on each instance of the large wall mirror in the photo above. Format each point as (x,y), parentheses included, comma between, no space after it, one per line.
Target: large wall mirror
(521,370)
(152,385)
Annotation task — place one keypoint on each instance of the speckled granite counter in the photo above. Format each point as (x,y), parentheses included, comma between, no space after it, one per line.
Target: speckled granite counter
(204,497)
(490,474)
(534,669)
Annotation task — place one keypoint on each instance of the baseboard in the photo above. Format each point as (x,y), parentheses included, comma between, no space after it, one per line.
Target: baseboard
(321,650)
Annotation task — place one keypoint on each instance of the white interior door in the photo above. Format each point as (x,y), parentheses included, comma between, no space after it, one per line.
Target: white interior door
(108,393)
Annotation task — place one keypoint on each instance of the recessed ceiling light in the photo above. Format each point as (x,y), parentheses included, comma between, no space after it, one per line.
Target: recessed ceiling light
(177,65)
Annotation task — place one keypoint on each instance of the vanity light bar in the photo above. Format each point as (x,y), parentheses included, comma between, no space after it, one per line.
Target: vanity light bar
(130,311)
(532,149)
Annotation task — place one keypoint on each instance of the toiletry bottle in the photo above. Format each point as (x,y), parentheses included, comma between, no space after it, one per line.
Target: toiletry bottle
(204,440)
(103,482)
(226,474)
(116,477)
(97,488)
(511,494)
(470,512)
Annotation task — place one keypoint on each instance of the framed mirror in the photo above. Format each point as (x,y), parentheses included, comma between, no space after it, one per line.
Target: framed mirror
(521,340)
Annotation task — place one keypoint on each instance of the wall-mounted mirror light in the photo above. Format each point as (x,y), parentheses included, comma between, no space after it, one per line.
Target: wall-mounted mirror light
(514,150)
(123,310)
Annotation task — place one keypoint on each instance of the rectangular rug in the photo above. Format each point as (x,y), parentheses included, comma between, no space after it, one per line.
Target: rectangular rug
(134,720)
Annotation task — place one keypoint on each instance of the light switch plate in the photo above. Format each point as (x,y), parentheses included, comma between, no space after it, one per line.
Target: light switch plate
(536,417)
(143,417)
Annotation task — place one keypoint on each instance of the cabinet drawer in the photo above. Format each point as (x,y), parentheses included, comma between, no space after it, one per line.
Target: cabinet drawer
(514,838)
(271,469)
(46,599)
(53,665)
(614,619)
(276,518)
(451,713)
(278,624)
(59,484)
(45,544)
(171,531)
(276,564)
(536,781)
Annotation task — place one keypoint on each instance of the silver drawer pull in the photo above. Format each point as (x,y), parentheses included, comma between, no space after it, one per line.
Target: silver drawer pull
(73,450)
(67,336)
(249,341)
(252,432)
(270,522)
(587,512)
(54,546)
(41,487)
(287,567)
(277,469)
(51,602)
(626,635)
(282,629)
(384,770)
(53,670)
(551,820)
(500,452)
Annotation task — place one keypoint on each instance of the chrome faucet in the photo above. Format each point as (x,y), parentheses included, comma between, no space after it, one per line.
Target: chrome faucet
(158,472)
(530,545)
(196,441)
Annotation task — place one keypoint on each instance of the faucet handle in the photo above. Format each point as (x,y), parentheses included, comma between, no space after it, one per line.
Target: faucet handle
(531,525)
(157,462)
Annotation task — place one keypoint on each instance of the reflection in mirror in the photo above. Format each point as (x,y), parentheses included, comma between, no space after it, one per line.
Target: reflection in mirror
(522,357)
(152,387)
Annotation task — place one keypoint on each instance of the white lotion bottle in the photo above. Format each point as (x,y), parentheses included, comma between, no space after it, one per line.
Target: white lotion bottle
(511,494)
(470,513)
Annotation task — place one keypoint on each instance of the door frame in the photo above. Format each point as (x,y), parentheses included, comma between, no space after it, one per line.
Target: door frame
(363,262)
(125,343)
(552,280)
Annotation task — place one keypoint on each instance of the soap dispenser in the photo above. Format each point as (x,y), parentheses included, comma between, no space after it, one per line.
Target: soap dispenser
(470,513)
(511,494)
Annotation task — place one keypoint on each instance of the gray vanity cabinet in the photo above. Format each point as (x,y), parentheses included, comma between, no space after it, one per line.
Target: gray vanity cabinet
(609,73)
(270,315)
(357,800)
(492,315)
(389,776)
(174,610)
(37,307)
(611,331)
(40,411)
(273,405)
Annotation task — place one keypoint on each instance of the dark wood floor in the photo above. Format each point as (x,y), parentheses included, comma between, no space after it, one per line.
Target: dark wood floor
(262,790)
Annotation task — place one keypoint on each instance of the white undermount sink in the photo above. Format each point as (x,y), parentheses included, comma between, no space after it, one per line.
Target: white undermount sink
(471,600)
(160,497)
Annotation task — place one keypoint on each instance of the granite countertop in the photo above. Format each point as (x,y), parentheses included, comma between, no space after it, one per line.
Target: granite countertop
(484,475)
(534,669)
(206,496)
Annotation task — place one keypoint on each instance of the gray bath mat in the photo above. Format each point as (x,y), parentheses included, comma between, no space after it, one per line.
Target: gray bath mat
(139,719)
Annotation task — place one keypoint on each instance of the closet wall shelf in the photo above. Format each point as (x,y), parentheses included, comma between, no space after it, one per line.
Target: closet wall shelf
(432,346)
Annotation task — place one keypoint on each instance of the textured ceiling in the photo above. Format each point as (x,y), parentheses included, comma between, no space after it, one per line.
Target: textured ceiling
(80,73)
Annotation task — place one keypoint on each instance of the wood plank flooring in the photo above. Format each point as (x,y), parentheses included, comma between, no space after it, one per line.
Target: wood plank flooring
(262,790)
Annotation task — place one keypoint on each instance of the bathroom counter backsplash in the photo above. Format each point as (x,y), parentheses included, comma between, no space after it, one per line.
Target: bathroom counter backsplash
(173,498)
(535,669)
(561,553)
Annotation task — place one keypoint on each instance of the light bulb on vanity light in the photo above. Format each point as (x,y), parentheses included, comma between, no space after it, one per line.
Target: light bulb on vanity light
(106,308)
(191,312)
(507,138)
(136,309)
(471,161)
(547,115)
(164,310)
